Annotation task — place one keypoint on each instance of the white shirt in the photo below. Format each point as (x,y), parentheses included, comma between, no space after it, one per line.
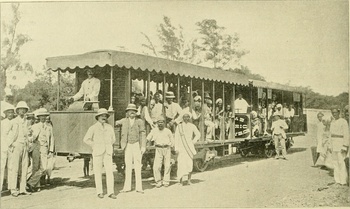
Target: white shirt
(156,111)
(161,137)
(278,127)
(190,136)
(171,110)
(339,127)
(131,121)
(289,113)
(9,131)
(241,106)
(90,88)
(101,138)
(146,115)
(44,133)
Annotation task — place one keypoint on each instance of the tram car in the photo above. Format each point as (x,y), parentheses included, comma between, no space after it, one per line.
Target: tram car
(123,76)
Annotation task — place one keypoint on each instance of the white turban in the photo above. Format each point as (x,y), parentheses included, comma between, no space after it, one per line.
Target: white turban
(218,100)
(187,113)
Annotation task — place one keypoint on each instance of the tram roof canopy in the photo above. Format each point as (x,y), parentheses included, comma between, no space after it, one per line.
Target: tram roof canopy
(129,60)
(277,86)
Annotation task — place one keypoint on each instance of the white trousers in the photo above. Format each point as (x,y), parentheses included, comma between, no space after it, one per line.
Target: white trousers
(132,159)
(18,158)
(106,161)
(340,173)
(3,165)
(162,154)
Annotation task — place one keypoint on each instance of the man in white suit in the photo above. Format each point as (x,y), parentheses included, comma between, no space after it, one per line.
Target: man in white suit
(90,88)
(101,138)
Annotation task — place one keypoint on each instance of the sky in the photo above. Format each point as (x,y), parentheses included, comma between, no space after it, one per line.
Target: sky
(303,43)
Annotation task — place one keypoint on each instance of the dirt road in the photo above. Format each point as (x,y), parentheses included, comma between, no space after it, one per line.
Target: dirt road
(231,182)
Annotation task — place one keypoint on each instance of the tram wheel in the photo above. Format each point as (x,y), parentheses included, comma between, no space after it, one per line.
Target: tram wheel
(268,153)
(200,165)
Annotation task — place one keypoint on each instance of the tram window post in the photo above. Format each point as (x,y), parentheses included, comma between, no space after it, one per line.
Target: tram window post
(232,128)
(178,89)
(58,89)
(111,91)
(191,96)
(222,121)
(202,117)
(128,88)
(214,103)
(164,112)
(148,89)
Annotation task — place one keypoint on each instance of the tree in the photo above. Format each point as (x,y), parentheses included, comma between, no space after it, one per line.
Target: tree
(246,71)
(12,42)
(218,48)
(172,43)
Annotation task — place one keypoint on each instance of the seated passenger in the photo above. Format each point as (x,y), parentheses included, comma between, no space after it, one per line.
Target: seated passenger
(256,124)
(144,114)
(172,110)
(156,109)
(241,105)
(208,117)
(228,115)
(279,110)
(219,116)
(90,88)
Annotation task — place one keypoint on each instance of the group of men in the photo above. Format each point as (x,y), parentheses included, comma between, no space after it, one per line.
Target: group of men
(24,143)
(101,137)
(333,144)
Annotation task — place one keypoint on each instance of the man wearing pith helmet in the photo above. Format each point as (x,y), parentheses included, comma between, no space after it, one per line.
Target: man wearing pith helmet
(19,156)
(163,141)
(101,138)
(133,142)
(8,133)
(43,147)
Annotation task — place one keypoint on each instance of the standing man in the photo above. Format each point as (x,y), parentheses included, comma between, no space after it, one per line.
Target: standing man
(157,108)
(9,131)
(163,140)
(90,88)
(186,135)
(143,112)
(279,135)
(172,110)
(241,105)
(319,134)
(133,142)
(19,156)
(340,140)
(101,137)
(43,147)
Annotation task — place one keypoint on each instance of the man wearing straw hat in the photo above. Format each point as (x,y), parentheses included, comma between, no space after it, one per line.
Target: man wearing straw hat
(43,147)
(172,110)
(101,138)
(279,135)
(19,156)
(9,130)
(133,142)
(163,140)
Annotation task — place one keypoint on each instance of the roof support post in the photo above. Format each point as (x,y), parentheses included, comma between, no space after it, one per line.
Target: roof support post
(58,89)
(148,88)
(202,115)
(164,112)
(191,97)
(111,91)
(128,86)
(222,123)
(178,89)
(232,127)
(214,104)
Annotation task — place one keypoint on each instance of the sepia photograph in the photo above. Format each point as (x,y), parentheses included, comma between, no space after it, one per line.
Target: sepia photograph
(174,104)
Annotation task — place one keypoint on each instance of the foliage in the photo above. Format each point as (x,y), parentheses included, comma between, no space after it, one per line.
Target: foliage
(319,101)
(11,43)
(246,71)
(218,48)
(43,92)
